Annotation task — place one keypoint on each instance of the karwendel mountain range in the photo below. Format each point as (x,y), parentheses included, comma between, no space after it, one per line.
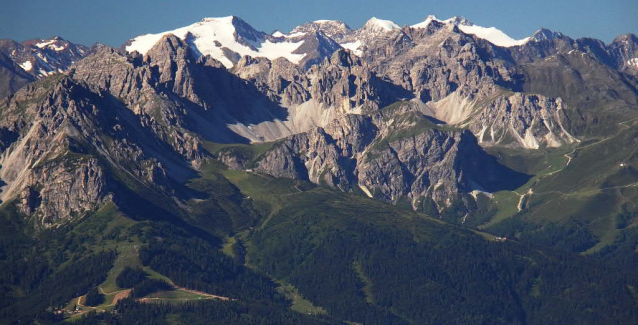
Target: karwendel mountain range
(439,173)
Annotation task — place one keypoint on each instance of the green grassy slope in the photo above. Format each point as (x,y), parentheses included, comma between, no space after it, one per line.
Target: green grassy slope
(585,206)
(322,242)
(293,248)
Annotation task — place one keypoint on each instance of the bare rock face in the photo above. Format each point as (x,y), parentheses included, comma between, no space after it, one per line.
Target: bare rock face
(434,62)
(522,120)
(62,142)
(448,71)
(61,191)
(316,47)
(271,77)
(343,81)
(392,155)
(334,29)
(144,85)
(624,50)
(414,167)
(400,117)
(12,76)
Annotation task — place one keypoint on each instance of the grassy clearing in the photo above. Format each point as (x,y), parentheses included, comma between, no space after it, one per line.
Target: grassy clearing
(507,205)
(228,247)
(273,192)
(177,295)
(537,162)
(127,256)
(111,230)
(249,152)
(367,288)
(606,231)
(536,292)
(299,303)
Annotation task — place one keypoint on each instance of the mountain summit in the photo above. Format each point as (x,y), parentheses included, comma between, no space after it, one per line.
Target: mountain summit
(229,38)
(491,34)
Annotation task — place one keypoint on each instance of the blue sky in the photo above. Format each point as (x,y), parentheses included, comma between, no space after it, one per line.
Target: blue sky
(115,21)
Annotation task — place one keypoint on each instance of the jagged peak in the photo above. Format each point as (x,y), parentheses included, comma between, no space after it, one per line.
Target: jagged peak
(169,39)
(344,58)
(629,37)
(168,45)
(490,34)
(546,34)
(330,22)
(456,20)
(226,39)
(55,43)
(321,25)
(459,21)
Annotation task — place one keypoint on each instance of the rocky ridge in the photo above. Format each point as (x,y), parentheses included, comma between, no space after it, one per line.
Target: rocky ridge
(401,118)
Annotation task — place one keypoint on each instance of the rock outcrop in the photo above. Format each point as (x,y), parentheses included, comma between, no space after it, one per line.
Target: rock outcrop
(64,147)
(396,154)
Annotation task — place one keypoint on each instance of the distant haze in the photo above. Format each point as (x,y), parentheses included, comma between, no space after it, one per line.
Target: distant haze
(114,22)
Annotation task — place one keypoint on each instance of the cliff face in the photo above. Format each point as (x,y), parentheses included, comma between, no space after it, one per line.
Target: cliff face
(391,155)
(63,144)
(521,120)
(401,118)
(28,61)
(57,192)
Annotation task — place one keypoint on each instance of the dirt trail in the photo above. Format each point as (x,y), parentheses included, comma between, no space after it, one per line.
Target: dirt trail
(120,295)
(201,293)
(208,295)
(569,157)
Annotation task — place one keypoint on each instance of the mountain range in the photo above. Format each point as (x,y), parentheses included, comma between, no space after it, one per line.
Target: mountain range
(383,175)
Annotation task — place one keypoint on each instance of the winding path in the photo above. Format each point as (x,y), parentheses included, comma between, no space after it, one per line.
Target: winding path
(569,160)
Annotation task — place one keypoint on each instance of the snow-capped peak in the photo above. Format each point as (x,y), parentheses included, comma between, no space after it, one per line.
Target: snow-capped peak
(426,22)
(380,24)
(373,28)
(456,20)
(226,20)
(56,44)
(490,34)
(216,36)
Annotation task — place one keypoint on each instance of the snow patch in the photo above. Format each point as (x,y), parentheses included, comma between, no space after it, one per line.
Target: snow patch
(426,22)
(490,34)
(45,44)
(353,46)
(493,35)
(57,48)
(51,44)
(387,25)
(212,30)
(26,65)
(633,62)
(297,34)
